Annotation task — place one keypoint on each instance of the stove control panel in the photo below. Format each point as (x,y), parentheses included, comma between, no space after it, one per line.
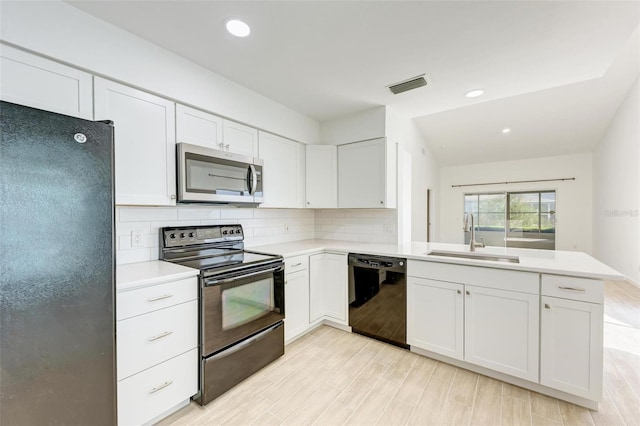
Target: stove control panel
(195,235)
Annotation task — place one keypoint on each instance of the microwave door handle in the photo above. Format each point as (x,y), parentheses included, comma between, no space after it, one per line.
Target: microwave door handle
(254,180)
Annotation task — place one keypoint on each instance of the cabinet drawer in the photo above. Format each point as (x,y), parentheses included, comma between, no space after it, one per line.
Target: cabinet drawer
(150,339)
(295,264)
(147,395)
(149,299)
(523,282)
(584,289)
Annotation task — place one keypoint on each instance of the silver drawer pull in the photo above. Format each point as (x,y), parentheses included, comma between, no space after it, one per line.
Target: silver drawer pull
(297,264)
(571,288)
(162,386)
(164,296)
(160,336)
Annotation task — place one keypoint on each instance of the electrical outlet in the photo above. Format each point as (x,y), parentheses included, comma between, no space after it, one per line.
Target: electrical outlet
(387,228)
(137,239)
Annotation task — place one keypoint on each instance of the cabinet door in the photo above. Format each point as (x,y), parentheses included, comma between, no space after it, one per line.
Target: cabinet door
(283,171)
(147,395)
(571,347)
(296,299)
(317,291)
(144,143)
(198,128)
(435,316)
(336,289)
(239,139)
(501,331)
(361,174)
(322,176)
(33,81)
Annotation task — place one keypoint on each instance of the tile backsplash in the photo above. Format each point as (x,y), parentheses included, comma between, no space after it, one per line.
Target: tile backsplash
(363,225)
(261,226)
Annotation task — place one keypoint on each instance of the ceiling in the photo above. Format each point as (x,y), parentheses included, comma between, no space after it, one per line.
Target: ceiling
(553,72)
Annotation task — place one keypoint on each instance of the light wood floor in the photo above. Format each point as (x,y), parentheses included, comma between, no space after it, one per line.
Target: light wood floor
(330,377)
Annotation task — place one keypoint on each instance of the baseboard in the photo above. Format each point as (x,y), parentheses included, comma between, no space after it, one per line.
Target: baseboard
(632,282)
(536,387)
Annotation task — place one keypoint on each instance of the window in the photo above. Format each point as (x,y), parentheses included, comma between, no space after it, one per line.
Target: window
(514,219)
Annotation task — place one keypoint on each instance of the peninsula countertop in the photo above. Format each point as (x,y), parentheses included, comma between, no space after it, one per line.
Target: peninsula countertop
(577,264)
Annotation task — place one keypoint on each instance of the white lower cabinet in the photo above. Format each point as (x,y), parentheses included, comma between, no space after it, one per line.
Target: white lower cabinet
(501,331)
(316,286)
(484,324)
(296,299)
(571,346)
(545,329)
(150,393)
(157,353)
(435,320)
(328,289)
(336,287)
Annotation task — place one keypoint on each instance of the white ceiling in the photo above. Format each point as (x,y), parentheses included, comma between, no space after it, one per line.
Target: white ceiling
(546,67)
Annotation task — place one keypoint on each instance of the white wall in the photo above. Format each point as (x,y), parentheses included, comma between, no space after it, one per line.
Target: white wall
(425,173)
(260,226)
(60,31)
(574,218)
(616,162)
(369,124)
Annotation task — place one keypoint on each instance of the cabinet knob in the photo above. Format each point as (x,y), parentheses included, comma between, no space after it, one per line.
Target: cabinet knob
(546,306)
(173,197)
(459,292)
(227,147)
(468,293)
(381,202)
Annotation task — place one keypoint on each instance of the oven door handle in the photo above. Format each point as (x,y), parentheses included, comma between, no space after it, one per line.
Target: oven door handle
(211,281)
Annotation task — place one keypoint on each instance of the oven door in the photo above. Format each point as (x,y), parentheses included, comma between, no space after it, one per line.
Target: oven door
(208,175)
(239,304)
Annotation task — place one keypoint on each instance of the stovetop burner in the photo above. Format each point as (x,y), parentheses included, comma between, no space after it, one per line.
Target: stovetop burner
(212,249)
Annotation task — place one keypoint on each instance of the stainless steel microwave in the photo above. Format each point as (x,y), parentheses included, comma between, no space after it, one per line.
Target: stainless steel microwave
(208,175)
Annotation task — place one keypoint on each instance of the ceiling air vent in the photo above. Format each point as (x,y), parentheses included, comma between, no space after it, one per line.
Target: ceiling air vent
(410,84)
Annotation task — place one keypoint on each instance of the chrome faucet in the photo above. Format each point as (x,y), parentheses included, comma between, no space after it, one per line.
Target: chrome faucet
(472,240)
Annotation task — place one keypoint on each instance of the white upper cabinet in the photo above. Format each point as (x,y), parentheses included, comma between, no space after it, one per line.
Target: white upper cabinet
(239,139)
(322,176)
(367,174)
(33,81)
(202,128)
(283,171)
(198,127)
(144,143)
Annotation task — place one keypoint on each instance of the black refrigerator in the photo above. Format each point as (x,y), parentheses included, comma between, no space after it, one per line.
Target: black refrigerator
(57,288)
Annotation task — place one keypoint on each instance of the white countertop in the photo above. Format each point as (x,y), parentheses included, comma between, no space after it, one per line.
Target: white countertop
(142,274)
(571,263)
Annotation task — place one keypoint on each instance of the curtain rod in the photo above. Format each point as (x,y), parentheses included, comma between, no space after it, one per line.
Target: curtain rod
(514,181)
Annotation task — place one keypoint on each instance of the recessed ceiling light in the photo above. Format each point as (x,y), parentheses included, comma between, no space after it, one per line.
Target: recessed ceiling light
(506,130)
(474,93)
(237,27)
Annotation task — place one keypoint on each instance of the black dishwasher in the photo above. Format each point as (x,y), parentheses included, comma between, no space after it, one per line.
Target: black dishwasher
(378,297)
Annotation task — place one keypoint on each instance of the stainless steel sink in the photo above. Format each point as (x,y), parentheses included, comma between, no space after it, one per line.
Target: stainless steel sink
(476,256)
